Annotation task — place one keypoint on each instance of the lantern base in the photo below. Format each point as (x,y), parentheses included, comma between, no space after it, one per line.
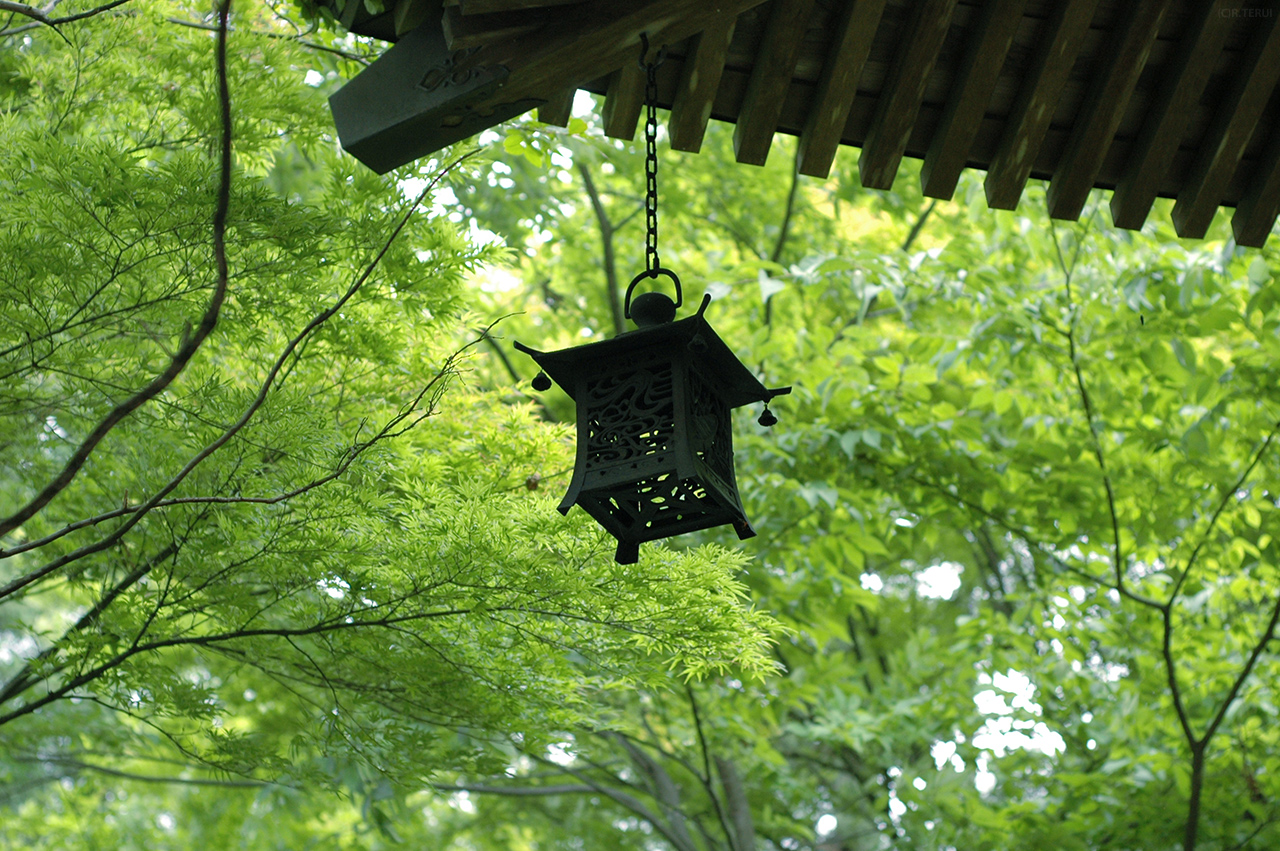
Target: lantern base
(661,506)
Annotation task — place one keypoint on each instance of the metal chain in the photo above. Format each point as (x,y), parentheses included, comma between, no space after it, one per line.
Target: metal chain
(652,263)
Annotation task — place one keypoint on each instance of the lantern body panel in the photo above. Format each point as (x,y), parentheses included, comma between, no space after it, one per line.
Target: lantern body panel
(655,449)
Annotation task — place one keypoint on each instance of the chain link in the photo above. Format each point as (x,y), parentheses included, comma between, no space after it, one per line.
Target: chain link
(652,263)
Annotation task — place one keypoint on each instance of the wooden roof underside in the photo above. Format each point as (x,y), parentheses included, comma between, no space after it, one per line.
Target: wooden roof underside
(1173,98)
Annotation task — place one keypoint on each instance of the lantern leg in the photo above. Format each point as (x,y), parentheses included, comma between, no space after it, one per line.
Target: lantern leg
(628,552)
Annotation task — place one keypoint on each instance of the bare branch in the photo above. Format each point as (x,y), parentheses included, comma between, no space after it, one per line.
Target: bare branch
(42,15)
(607,230)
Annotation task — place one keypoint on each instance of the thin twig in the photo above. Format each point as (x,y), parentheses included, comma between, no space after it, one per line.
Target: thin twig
(1222,504)
(1087,404)
(297,39)
(705,777)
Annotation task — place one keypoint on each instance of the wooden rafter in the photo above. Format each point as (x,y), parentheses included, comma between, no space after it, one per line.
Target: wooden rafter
(1260,205)
(1224,144)
(558,108)
(699,82)
(838,86)
(462,32)
(624,100)
(970,91)
(1033,110)
(1095,126)
(770,79)
(899,103)
(1153,152)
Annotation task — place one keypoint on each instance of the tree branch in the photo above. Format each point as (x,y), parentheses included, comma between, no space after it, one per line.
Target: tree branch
(680,842)
(916,228)
(336,624)
(606,240)
(208,321)
(516,791)
(705,777)
(318,320)
(784,230)
(297,39)
(349,456)
(41,15)
(1087,404)
(1258,647)
(744,832)
(145,778)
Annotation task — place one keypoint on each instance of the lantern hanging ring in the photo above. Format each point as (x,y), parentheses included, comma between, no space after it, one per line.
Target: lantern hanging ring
(652,308)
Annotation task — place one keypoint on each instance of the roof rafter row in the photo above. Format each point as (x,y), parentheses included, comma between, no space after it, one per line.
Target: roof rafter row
(1150,98)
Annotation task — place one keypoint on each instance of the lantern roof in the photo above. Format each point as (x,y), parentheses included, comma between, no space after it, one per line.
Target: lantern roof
(734,383)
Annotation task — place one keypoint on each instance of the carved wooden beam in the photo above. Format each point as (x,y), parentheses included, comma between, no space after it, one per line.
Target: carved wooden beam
(420,96)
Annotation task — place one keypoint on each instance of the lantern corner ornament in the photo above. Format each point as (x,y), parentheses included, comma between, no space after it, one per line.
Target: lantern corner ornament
(655,441)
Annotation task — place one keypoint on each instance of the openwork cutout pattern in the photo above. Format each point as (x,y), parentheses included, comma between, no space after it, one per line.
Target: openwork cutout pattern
(649,508)
(629,416)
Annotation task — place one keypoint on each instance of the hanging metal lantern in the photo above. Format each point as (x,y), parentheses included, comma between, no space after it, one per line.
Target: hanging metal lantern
(655,443)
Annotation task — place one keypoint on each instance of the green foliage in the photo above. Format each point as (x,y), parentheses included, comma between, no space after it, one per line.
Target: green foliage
(320,560)
(1015,521)
(1021,404)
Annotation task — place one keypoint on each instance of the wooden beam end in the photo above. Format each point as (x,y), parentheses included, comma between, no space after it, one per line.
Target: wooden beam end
(558,108)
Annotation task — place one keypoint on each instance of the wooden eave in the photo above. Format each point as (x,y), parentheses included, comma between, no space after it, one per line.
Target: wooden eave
(1169,98)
